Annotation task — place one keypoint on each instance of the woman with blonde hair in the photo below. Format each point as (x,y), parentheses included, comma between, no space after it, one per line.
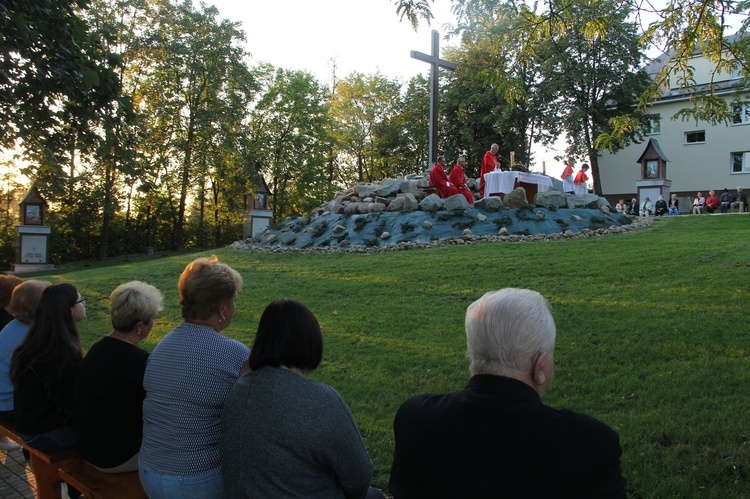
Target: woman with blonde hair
(108,415)
(24,301)
(187,379)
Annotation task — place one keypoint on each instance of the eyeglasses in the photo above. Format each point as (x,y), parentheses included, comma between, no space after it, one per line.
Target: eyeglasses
(81,301)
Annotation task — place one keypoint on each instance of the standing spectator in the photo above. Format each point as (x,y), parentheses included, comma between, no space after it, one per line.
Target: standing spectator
(108,413)
(674,205)
(739,200)
(458,178)
(439,180)
(712,201)
(495,438)
(567,178)
(187,379)
(579,184)
(283,435)
(698,204)
(725,200)
(489,164)
(43,370)
(661,206)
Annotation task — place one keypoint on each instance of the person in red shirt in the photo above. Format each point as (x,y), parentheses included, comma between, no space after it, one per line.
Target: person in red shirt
(580,180)
(567,177)
(458,178)
(488,165)
(439,179)
(712,201)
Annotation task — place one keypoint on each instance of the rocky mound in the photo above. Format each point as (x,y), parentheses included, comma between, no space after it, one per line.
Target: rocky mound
(403,213)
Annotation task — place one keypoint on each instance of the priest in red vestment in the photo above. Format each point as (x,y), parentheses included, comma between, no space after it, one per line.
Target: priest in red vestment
(439,179)
(488,165)
(458,178)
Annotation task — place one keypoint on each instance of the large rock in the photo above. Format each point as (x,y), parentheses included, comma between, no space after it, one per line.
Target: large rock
(516,198)
(552,199)
(431,203)
(456,202)
(351,209)
(410,202)
(491,203)
(376,207)
(409,187)
(390,187)
(588,201)
(365,190)
(396,204)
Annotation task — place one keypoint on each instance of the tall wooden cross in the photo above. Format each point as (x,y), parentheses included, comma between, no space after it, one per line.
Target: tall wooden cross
(435,64)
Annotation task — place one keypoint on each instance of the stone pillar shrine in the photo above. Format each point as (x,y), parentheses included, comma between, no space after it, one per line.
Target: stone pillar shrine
(33,234)
(257,215)
(653,165)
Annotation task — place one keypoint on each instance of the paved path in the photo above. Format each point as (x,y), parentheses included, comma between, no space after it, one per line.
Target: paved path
(16,479)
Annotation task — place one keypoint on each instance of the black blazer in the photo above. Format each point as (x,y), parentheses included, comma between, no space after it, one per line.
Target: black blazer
(495,439)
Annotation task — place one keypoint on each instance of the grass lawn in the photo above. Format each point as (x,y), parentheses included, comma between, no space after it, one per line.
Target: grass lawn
(652,334)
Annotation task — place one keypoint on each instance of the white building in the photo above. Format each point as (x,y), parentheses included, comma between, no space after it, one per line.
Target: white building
(701,156)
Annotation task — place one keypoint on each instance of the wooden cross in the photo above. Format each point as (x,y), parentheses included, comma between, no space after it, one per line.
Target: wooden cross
(435,64)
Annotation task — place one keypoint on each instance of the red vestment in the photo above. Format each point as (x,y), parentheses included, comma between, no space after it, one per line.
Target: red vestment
(439,180)
(458,178)
(567,171)
(581,177)
(488,165)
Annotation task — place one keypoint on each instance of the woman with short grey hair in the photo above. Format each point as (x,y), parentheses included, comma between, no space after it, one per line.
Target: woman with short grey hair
(108,411)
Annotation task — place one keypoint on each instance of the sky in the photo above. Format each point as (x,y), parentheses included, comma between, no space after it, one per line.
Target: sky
(360,35)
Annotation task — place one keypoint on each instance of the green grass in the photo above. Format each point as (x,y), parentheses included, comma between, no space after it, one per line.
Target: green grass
(652,334)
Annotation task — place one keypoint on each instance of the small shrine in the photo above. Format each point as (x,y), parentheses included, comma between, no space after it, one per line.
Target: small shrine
(653,166)
(33,234)
(257,214)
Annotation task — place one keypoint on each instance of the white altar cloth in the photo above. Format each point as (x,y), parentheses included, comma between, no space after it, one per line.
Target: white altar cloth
(504,182)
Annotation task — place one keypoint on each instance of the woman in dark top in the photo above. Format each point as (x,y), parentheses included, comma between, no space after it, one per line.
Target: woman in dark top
(43,368)
(108,415)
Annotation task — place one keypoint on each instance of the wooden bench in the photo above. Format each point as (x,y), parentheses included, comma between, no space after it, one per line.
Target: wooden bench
(44,464)
(95,484)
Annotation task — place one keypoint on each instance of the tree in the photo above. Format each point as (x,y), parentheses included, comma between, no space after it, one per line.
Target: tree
(187,91)
(593,78)
(54,77)
(362,106)
(288,128)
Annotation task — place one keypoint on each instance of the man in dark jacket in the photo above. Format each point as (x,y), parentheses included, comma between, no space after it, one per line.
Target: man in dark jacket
(496,438)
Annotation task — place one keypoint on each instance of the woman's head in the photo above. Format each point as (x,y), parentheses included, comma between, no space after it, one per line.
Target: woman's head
(134,302)
(26,298)
(205,285)
(7,284)
(288,335)
(52,338)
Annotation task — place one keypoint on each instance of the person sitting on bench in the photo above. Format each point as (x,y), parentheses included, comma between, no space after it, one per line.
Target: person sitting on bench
(43,369)
(108,410)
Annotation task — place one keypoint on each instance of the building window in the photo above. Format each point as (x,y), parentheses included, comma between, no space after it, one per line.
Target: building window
(740,114)
(695,137)
(652,125)
(741,162)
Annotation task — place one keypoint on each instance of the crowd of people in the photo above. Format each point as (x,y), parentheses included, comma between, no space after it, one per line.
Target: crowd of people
(206,416)
(725,203)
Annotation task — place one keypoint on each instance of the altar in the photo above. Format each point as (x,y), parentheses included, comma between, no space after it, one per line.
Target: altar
(501,183)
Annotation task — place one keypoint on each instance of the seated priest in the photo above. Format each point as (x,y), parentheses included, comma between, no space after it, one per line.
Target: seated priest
(439,180)
(458,179)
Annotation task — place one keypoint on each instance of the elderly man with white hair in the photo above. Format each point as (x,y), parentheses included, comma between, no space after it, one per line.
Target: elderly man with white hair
(496,438)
